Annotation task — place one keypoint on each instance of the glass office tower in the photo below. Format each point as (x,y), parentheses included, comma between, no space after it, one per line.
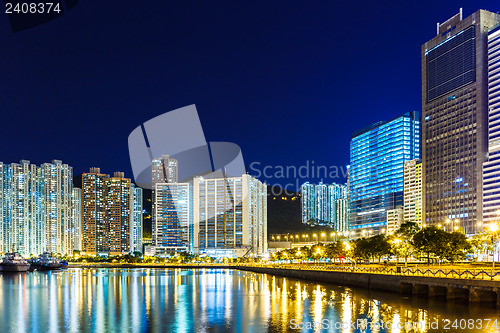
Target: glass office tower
(174,218)
(491,171)
(455,119)
(376,175)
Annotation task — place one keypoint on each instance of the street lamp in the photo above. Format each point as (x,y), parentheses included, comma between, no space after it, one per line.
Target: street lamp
(494,230)
(324,236)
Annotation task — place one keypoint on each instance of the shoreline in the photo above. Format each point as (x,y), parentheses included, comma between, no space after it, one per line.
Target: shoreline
(141,265)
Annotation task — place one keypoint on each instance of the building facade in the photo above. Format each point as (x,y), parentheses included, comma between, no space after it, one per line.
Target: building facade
(164,170)
(58,192)
(137,221)
(77,219)
(118,196)
(394,219)
(36,208)
(491,168)
(376,173)
(108,218)
(174,218)
(94,211)
(230,216)
(455,119)
(413,192)
(325,205)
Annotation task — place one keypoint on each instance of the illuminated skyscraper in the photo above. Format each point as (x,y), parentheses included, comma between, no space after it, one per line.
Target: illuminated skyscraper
(77,219)
(58,191)
(491,177)
(376,174)
(413,192)
(94,211)
(308,202)
(174,218)
(108,204)
(118,203)
(136,226)
(164,170)
(36,208)
(325,205)
(230,216)
(455,119)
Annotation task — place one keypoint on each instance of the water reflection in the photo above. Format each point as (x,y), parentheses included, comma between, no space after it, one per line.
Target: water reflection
(204,300)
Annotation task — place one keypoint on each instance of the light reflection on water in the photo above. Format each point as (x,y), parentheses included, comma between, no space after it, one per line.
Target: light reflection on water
(209,300)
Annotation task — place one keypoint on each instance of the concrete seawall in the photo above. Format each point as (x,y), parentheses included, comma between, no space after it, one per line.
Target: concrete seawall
(480,291)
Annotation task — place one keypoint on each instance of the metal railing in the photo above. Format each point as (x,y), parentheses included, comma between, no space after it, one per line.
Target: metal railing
(408,271)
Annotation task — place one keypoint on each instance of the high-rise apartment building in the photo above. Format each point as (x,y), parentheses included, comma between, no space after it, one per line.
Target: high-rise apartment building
(94,211)
(136,227)
(455,119)
(77,219)
(376,173)
(108,218)
(325,205)
(118,205)
(230,216)
(58,189)
(36,208)
(491,176)
(413,191)
(165,170)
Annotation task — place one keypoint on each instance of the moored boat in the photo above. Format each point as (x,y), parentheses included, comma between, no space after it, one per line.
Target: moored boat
(13,262)
(46,262)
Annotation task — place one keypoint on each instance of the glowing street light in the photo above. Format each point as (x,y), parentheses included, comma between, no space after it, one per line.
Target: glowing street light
(493,227)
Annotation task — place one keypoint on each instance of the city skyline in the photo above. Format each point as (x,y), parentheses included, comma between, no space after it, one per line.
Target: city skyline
(260,166)
(279,105)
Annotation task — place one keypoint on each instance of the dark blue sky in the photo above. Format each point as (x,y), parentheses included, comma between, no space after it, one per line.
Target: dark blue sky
(289,81)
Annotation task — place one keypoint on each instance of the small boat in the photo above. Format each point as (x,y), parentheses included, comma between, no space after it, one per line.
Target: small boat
(13,262)
(46,262)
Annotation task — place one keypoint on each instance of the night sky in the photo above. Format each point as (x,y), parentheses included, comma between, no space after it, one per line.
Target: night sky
(288,81)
